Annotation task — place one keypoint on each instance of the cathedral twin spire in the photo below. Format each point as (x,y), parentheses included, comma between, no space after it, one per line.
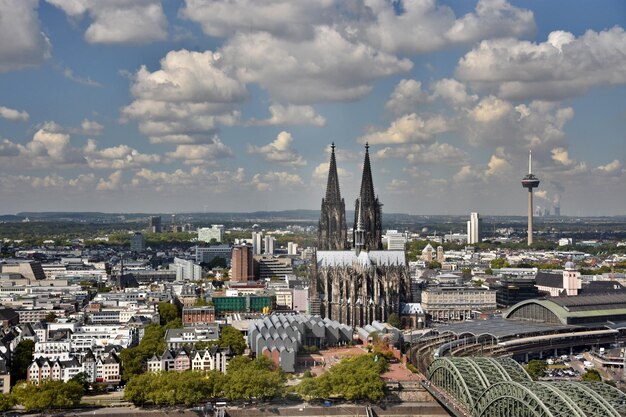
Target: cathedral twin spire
(332,233)
(367,230)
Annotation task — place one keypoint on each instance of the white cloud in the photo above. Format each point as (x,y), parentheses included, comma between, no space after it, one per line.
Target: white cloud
(490,109)
(290,115)
(202,154)
(538,125)
(112,183)
(435,153)
(117,157)
(405,97)
(408,128)
(408,26)
(498,166)
(417,172)
(17,183)
(320,172)
(69,74)
(13,115)
(118,21)
(452,91)
(492,19)
(327,67)
(51,147)
(612,168)
(23,44)
(196,178)
(279,17)
(279,151)
(561,156)
(9,149)
(423,26)
(563,66)
(397,186)
(267,181)
(467,173)
(186,100)
(91,127)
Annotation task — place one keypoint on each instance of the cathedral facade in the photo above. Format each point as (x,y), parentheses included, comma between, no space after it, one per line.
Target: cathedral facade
(359,285)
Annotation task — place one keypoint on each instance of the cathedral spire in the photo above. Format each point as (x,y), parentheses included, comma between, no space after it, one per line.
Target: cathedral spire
(332,231)
(333,194)
(367,210)
(359,231)
(367,185)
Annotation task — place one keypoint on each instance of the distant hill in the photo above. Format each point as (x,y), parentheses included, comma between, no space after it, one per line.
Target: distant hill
(305,216)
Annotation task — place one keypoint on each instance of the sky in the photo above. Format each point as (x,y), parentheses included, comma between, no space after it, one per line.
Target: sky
(214,105)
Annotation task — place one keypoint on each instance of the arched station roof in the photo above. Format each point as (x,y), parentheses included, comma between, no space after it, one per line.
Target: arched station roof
(596,308)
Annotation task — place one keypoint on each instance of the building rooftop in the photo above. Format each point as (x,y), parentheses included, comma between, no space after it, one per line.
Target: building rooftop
(501,328)
(365,258)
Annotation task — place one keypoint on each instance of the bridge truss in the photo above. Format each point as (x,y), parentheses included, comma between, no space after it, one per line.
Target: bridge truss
(500,387)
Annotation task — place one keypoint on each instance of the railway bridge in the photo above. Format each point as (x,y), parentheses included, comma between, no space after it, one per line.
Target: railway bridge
(500,387)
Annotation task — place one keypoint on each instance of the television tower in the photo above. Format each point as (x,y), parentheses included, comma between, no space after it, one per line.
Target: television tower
(530,182)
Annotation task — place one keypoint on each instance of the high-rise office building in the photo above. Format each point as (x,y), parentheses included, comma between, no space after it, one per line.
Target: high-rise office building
(154,224)
(206,234)
(269,245)
(186,270)
(242,264)
(396,240)
(257,243)
(292,248)
(137,242)
(474,229)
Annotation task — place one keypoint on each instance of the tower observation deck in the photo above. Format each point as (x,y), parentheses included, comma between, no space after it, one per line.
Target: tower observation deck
(530,181)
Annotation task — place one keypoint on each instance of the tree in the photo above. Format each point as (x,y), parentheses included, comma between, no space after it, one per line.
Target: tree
(229,336)
(22,359)
(352,379)
(257,378)
(83,379)
(592,375)
(201,302)
(168,312)
(536,369)
(433,265)
(171,388)
(203,345)
(50,394)
(50,317)
(6,402)
(394,320)
(499,263)
(133,358)
(217,262)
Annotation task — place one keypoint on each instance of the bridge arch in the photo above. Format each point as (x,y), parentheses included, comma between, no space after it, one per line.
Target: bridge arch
(450,377)
(467,378)
(524,399)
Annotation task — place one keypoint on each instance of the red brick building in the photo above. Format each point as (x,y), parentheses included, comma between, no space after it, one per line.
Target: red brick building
(193,316)
(242,264)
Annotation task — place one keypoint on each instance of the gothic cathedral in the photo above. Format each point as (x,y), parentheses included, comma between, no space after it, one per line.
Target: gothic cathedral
(366,283)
